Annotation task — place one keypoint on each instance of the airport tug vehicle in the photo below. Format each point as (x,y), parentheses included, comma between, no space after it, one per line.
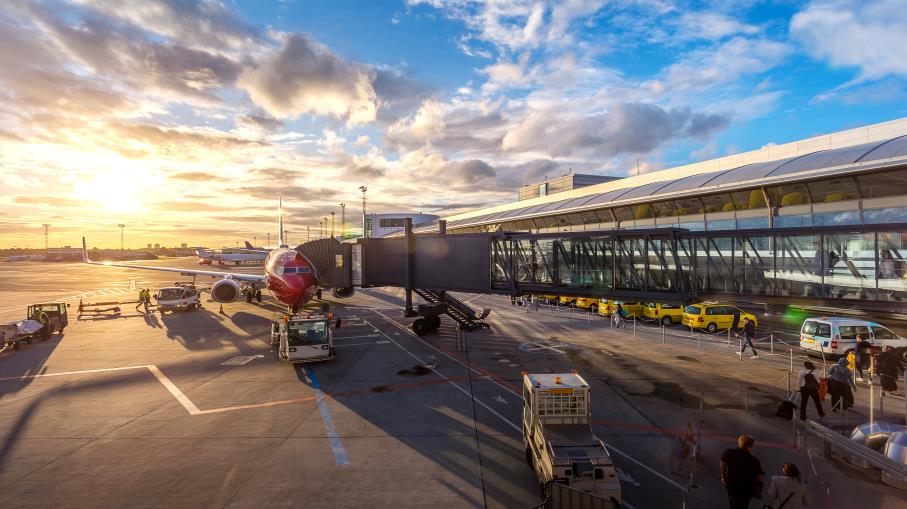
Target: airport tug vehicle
(180,297)
(14,333)
(557,433)
(304,336)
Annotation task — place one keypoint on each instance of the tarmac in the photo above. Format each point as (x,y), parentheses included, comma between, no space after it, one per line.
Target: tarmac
(194,409)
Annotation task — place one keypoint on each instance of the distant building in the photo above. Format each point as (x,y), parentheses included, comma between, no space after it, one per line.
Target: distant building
(379,225)
(561,184)
(66,253)
(149,246)
(184,245)
(157,246)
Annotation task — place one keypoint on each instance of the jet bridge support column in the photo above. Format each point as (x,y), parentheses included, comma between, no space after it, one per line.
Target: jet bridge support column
(410,241)
(442,227)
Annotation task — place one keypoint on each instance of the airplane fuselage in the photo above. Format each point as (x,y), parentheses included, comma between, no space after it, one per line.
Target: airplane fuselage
(289,277)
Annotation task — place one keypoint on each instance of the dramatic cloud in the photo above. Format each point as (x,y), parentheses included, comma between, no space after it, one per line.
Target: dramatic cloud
(304,76)
(727,63)
(259,122)
(852,33)
(625,128)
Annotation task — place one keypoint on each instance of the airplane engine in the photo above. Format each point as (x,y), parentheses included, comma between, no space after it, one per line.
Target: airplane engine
(225,291)
(343,293)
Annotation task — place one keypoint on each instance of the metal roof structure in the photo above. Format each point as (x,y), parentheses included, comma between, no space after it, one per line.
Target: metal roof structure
(805,160)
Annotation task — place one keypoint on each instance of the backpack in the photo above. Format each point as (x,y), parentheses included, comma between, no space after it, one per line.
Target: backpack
(738,474)
(810,382)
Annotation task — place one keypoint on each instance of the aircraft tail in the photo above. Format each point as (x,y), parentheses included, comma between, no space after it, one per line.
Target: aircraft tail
(281,241)
(204,255)
(249,245)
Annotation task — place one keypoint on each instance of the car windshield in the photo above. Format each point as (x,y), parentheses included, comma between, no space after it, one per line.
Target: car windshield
(693,310)
(670,306)
(882,333)
(170,293)
(307,333)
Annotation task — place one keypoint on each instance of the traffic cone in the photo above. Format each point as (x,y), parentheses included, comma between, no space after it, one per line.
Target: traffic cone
(221,309)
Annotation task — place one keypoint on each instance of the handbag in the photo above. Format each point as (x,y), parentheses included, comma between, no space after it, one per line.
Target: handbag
(784,503)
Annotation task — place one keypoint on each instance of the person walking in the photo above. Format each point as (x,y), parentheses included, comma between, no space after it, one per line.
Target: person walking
(808,384)
(787,491)
(147,298)
(888,363)
(841,384)
(141,300)
(863,351)
(741,473)
(618,316)
(749,333)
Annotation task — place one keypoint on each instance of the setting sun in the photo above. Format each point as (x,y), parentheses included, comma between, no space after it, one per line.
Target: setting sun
(118,192)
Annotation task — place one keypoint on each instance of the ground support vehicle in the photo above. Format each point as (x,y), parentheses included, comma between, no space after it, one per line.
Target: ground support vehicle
(667,314)
(304,337)
(14,333)
(97,309)
(837,336)
(179,297)
(713,316)
(557,433)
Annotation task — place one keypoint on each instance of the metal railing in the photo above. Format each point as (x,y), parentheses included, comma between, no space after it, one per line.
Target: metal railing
(835,440)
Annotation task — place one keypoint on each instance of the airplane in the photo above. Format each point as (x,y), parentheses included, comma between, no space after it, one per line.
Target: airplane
(288,276)
(206,257)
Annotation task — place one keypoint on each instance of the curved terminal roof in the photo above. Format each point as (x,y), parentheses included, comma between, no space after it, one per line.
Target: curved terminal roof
(808,164)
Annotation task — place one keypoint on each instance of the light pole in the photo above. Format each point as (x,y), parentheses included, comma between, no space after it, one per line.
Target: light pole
(308,234)
(342,221)
(332,224)
(363,189)
(320,229)
(121,237)
(46,229)
(325,234)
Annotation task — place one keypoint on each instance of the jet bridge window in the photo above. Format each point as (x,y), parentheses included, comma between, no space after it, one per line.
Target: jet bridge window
(307,333)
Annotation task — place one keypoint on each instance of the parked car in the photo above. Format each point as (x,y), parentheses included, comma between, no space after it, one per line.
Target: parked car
(631,307)
(667,314)
(837,336)
(713,316)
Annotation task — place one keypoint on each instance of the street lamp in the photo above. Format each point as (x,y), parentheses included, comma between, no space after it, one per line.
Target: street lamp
(342,221)
(121,236)
(46,228)
(325,234)
(332,224)
(363,189)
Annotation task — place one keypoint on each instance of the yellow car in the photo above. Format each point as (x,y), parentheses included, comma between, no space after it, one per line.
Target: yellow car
(590,303)
(713,317)
(667,314)
(631,307)
(566,300)
(546,298)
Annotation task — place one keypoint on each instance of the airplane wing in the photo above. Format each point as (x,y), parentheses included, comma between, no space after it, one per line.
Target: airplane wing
(186,272)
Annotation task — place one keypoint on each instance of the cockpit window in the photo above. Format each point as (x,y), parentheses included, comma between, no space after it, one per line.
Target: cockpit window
(307,333)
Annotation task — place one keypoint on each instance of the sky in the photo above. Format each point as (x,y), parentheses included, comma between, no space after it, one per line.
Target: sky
(185,120)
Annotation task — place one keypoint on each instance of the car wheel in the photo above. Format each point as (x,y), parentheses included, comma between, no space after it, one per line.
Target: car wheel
(666,321)
(712,328)
(434,322)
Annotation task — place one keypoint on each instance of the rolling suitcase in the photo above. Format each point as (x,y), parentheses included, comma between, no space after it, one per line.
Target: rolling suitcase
(786,409)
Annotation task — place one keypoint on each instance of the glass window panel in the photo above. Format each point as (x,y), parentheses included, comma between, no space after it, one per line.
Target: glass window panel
(879,185)
(630,264)
(799,261)
(890,148)
(850,265)
(886,215)
(749,200)
(664,209)
(892,269)
(644,211)
(836,218)
(720,224)
(754,265)
(793,221)
(789,195)
(747,173)
(834,190)
(688,206)
(693,226)
(752,223)
(714,263)
(824,159)
(646,190)
(623,213)
(717,203)
(661,267)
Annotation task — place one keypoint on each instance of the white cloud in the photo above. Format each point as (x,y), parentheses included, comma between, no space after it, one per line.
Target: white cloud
(711,26)
(870,36)
(305,77)
(729,62)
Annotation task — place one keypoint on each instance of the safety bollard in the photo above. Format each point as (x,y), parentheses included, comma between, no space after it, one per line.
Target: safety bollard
(791,359)
(662,333)
(740,351)
(634,325)
(728,336)
(746,396)
(788,385)
(771,337)
(881,403)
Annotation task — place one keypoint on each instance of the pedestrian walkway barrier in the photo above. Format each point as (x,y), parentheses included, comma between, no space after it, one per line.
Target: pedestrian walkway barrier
(560,496)
(834,441)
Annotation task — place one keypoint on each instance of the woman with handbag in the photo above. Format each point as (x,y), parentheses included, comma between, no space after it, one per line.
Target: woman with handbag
(786,490)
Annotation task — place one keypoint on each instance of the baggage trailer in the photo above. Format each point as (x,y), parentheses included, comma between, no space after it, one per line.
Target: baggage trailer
(14,333)
(557,433)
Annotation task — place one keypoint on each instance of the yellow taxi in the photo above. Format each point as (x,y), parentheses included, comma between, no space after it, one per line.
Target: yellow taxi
(631,307)
(667,314)
(566,300)
(590,303)
(547,298)
(713,316)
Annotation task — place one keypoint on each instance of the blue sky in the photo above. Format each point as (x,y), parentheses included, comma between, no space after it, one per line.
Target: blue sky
(186,119)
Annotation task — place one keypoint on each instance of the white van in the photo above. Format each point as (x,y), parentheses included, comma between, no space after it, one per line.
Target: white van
(837,336)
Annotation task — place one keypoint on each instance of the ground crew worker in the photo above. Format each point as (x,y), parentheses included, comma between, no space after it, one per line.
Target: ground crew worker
(41,316)
(141,299)
(147,298)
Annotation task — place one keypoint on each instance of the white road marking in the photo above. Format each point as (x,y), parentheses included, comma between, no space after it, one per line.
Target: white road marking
(240,360)
(174,390)
(352,344)
(358,337)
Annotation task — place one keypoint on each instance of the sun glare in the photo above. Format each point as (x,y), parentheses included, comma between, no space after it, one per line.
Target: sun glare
(116,192)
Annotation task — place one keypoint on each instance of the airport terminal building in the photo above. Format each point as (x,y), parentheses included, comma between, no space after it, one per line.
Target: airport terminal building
(822,219)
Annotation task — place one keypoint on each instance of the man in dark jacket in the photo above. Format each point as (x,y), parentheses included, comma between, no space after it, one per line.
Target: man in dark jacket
(749,333)
(888,362)
(741,473)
